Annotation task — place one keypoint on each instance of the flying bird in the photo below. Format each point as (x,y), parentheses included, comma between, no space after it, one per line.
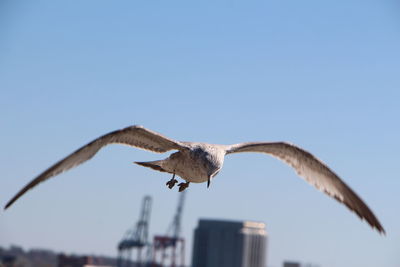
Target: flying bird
(198,162)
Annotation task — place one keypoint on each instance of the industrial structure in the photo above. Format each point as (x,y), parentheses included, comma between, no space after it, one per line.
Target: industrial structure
(166,250)
(136,239)
(229,244)
(169,249)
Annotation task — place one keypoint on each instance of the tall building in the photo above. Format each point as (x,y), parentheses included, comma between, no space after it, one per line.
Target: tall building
(229,244)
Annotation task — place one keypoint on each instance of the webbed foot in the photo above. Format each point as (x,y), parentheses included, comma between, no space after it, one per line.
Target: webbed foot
(171,183)
(183,186)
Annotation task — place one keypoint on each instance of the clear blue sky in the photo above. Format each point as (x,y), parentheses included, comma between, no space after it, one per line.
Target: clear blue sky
(321,74)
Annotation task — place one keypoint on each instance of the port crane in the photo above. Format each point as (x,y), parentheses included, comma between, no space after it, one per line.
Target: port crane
(169,249)
(136,239)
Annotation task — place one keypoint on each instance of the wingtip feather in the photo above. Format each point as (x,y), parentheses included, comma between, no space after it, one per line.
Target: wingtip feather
(9,203)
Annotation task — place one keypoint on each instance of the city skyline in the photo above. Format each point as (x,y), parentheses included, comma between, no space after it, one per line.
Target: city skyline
(321,75)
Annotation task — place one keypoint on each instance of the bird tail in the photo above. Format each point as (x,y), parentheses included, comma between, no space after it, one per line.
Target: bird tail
(155,165)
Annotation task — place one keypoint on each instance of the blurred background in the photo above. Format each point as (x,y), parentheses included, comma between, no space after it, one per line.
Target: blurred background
(321,74)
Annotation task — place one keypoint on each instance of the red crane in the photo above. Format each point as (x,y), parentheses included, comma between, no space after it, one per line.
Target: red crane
(169,250)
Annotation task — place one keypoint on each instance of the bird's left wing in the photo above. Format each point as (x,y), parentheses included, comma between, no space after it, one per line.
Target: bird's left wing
(136,136)
(313,171)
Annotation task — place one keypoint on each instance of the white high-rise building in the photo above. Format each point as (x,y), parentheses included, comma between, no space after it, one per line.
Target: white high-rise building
(229,244)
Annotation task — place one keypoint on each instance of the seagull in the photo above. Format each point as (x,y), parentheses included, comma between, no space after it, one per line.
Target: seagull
(197,162)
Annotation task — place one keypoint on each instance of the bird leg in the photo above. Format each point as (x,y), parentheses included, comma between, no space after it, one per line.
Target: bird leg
(171,183)
(183,186)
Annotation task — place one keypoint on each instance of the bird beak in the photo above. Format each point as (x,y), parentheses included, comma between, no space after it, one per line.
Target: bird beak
(208,181)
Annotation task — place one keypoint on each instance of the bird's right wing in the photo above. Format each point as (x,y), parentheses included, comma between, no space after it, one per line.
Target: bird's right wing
(136,136)
(313,171)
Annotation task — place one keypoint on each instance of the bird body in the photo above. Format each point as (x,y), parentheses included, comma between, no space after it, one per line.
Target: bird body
(200,162)
(197,163)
